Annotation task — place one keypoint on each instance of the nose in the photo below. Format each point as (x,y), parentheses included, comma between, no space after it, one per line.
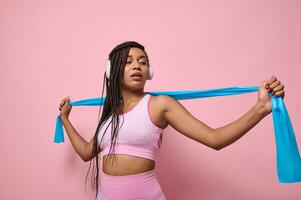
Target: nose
(136,65)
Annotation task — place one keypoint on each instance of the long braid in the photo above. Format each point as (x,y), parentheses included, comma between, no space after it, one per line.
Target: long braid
(113,103)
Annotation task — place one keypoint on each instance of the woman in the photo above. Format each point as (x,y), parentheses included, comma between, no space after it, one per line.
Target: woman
(137,138)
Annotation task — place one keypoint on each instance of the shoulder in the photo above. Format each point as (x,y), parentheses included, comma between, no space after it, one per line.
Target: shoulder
(158,106)
(163,102)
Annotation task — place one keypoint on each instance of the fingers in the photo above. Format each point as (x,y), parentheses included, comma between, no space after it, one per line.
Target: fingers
(275,87)
(63,102)
(271,80)
(274,84)
(281,93)
(278,89)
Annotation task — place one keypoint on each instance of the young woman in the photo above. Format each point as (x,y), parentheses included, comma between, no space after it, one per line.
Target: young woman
(137,137)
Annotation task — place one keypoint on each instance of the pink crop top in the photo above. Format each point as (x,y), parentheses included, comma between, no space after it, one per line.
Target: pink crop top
(137,136)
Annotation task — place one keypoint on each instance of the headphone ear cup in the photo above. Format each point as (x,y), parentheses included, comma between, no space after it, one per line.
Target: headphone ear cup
(108,69)
(150,73)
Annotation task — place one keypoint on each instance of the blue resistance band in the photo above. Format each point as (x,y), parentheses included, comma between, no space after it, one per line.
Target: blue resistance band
(288,158)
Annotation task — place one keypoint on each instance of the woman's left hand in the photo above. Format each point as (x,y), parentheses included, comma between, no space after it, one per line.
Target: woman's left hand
(273,86)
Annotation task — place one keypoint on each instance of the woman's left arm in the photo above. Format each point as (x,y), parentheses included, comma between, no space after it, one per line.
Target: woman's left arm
(175,114)
(228,134)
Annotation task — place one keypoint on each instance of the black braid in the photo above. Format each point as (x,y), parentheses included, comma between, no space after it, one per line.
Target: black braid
(113,103)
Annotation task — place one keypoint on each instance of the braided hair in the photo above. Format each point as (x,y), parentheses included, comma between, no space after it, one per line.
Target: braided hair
(113,103)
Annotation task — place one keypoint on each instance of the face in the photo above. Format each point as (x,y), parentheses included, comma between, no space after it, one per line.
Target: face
(136,63)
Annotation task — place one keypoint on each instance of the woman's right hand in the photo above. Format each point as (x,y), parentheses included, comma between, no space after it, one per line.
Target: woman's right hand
(65,108)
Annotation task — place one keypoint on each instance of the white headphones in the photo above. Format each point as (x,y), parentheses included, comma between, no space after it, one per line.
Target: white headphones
(149,77)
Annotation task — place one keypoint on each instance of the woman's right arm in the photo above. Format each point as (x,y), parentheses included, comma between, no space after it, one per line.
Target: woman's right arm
(81,146)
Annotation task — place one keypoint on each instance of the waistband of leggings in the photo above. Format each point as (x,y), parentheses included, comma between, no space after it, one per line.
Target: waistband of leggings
(143,175)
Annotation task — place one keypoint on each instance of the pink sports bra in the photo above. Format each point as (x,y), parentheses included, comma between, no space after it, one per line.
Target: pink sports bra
(137,136)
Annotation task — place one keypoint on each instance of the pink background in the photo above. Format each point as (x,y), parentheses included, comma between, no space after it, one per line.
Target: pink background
(53,49)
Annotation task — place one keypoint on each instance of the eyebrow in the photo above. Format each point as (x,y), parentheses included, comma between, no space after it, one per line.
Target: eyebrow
(142,56)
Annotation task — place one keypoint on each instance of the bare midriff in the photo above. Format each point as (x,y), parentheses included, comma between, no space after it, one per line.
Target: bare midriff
(126,165)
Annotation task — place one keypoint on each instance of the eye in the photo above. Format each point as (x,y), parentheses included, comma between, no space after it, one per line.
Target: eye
(142,62)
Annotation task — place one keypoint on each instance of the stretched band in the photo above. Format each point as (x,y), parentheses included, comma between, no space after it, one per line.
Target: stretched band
(288,158)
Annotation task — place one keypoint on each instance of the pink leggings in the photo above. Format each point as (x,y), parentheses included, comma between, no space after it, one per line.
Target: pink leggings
(141,186)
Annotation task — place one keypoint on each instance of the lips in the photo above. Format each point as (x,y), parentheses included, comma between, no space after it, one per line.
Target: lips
(137,74)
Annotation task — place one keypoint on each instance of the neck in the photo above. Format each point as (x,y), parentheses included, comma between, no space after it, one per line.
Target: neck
(130,96)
